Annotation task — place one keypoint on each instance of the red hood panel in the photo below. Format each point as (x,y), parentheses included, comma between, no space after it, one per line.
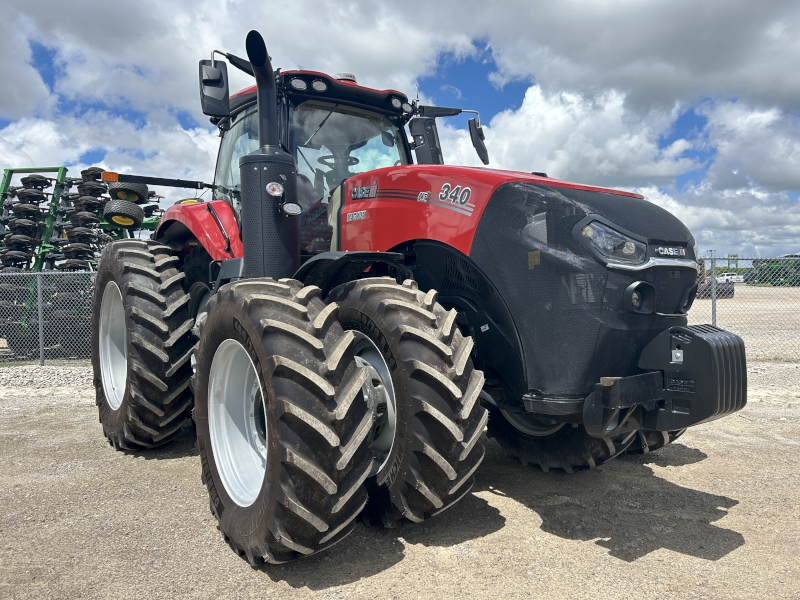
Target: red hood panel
(386,207)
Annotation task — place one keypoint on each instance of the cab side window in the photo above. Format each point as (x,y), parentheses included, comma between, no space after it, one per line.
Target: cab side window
(240,139)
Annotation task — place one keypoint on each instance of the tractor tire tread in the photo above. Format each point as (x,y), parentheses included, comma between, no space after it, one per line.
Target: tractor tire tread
(160,345)
(323,453)
(436,359)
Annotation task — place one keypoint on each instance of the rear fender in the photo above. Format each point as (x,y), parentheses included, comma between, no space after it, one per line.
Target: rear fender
(183,222)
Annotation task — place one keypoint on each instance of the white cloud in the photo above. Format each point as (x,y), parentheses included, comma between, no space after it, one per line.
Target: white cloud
(754,146)
(748,222)
(611,79)
(568,136)
(596,141)
(151,149)
(24,91)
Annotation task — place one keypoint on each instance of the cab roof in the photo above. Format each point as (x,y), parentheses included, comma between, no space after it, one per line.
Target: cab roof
(334,90)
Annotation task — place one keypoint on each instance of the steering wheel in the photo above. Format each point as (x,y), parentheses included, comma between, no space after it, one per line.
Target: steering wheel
(329,160)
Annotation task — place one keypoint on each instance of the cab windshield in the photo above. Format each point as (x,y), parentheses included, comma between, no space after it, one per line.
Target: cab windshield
(332,142)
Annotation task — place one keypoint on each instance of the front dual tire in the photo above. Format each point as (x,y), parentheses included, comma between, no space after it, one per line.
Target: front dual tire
(302,406)
(282,424)
(427,454)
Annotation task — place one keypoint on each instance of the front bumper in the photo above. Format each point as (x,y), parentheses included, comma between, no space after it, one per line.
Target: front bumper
(693,374)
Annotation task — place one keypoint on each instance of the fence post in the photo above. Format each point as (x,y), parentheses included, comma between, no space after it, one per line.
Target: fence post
(713,291)
(41,317)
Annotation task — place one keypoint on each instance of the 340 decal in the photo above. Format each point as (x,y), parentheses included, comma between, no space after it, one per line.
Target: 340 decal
(456,195)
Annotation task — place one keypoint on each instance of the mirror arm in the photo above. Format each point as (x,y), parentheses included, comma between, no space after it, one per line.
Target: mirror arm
(213,52)
(474,112)
(239,63)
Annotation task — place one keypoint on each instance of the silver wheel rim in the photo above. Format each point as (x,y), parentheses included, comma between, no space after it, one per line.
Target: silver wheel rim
(531,424)
(113,346)
(237,422)
(378,390)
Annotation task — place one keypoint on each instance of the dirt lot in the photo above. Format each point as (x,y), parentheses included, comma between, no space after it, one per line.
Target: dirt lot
(713,515)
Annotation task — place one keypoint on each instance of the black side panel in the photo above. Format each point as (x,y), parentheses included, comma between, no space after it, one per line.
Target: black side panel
(567,307)
(551,285)
(463,286)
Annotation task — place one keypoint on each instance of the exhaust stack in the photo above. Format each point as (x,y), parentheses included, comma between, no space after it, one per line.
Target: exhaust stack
(271,238)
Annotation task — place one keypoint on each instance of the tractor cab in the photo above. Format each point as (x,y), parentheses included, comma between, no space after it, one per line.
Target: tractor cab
(331,136)
(332,127)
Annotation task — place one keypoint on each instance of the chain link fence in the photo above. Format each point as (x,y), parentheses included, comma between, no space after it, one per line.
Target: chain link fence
(47,316)
(756,298)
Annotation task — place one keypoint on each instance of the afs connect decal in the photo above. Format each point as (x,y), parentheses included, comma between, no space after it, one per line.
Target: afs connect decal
(358,215)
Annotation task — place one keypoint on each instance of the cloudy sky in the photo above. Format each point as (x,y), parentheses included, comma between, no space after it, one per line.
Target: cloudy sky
(694,104)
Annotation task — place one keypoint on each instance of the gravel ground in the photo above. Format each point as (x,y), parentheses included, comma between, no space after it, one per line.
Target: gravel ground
(713,515)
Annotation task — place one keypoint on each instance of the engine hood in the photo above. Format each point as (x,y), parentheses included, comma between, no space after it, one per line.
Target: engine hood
(634,214)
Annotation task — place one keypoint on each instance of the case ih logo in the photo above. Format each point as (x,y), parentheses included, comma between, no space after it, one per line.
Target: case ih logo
(666,251)
(367,191)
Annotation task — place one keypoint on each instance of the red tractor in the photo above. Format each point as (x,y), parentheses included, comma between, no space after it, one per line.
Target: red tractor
(342,324)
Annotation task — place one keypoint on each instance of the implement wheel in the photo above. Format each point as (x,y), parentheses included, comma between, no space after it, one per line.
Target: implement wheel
(427,443)
(141,345)
(123,213)
(282,425)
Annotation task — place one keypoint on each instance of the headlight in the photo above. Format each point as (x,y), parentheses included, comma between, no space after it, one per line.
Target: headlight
(614,246)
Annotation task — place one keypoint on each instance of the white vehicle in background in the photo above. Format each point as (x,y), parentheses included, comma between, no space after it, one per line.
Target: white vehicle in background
(730,278)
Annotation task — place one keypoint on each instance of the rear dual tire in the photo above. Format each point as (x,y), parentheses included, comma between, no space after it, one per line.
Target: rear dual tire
(141,345)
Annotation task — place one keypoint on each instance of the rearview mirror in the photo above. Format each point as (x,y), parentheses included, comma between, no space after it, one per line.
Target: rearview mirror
(214,95)
(476,133)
